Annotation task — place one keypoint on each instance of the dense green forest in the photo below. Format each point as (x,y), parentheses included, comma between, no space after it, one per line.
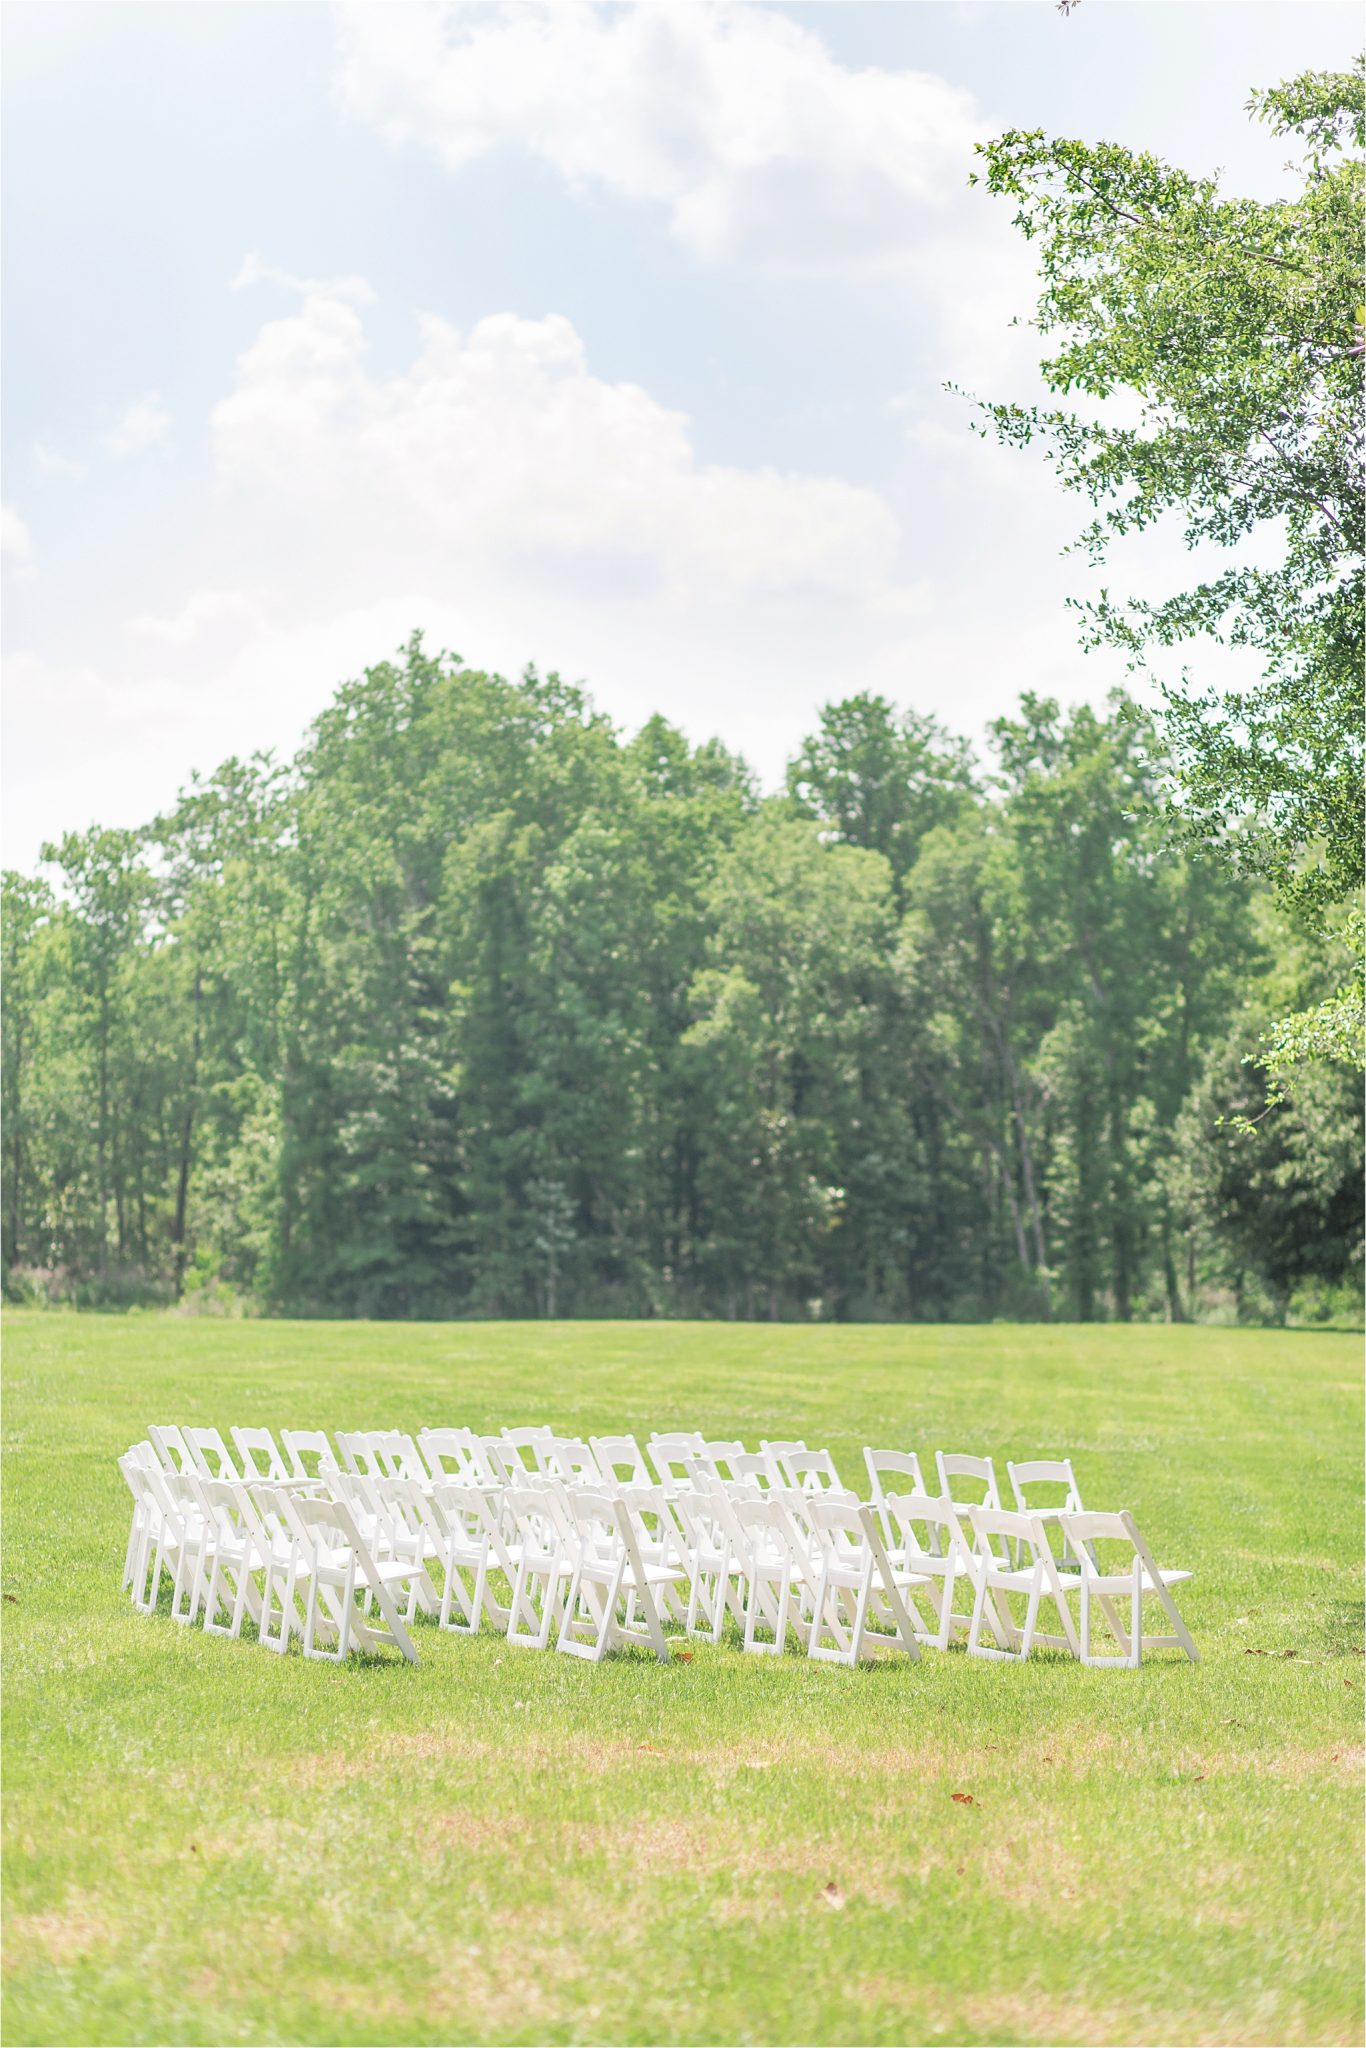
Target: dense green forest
(479,1007)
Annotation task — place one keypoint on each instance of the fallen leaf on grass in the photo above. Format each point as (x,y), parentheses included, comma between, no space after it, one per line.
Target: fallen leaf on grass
(14,1597)
(833,1896)
(964,1799)
(683,1656)
(1199,1778)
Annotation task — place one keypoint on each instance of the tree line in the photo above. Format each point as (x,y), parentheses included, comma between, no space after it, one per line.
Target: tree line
(480,1007)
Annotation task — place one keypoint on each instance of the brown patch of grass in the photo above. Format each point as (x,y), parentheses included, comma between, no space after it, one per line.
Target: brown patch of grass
(1028,2016)
(63,1934)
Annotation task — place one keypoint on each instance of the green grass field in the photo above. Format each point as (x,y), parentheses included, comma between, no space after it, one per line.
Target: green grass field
(205,1843)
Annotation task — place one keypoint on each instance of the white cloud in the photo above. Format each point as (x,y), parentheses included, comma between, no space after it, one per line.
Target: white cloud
(736,119)
(140,426)
(220,613)
(16,547)
(253,270)
(51,463)
(499,450)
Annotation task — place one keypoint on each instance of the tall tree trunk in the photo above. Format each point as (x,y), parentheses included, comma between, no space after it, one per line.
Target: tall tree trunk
(1175,1311)
(102,1142)
(182,1192)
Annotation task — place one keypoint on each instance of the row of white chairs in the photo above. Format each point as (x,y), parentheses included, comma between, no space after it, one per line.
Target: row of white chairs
(549,1537)
(497,1460)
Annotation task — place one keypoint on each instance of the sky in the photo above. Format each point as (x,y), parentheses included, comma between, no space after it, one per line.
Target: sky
(611,339)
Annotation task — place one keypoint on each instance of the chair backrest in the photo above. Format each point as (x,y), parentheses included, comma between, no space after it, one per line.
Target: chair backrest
(375,1453)
(497,1463)
(777,1452)
(310,1444)
(720,1456)
(926,1525)
(527,1447)
(892,1465)
(670,1451)
(980,1472)
(259,1453)
(836,1523)
(755,1468)
(1028,1477)
(227,1507)
(170,1447)
(766,1516)
(279,1526)
(403,1504)
(1018,1529)
(468,1511)
(212,1458)
(593,1520)
(135,1478)
(1084,1530)
(621,1460)
(570,1458)
(719,1502)
(812,1471)
(170,1498)
(534,1510)
(447,1453)
(326,1524)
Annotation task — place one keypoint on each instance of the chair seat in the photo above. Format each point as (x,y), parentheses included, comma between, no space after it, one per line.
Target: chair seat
(851,1577)
(1123,1582)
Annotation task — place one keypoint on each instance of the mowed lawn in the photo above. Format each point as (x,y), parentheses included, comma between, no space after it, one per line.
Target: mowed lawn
(206,1843)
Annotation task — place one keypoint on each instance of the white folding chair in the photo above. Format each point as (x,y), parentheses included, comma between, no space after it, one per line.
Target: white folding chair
(569,1458)
(142,1530)
(260,1455)
(209,1455)
(774,1566)
(173,1453)
(1033,1479)
(611,1581)
(811,1472)
(1025,1567)
(235,1550)
(777,1452)
(176,1533)
(525,1449)
(1134,1575)
(498,1464)
(449,1454)
(409,1533)
(380,1454)
(341,1567)
(970,1482)
(544,1555)
(669,1452)
(895,1465)
(621,1461)
(860,1604)
(309,1453)
(721,1456)
(980,1473)
(925,1538)
(712,1564)
(286,1563)
(469,1535)
(755,1468)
